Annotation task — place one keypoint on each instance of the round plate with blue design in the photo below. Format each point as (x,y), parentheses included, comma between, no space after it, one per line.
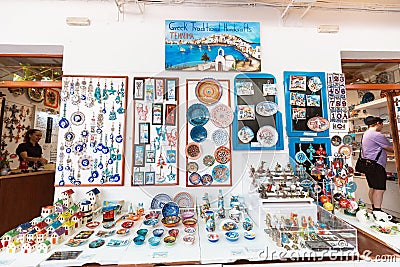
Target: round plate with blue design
(170,209)
(159,201)
(198,134)
(220,173)
(198,114)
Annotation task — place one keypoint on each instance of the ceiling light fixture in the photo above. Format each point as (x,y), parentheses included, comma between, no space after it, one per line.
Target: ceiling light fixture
(328,28)
(78,21)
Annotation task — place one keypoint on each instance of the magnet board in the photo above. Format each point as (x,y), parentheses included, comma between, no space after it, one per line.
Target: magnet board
(91,141)
(155,131)
(208,130)
(256,95)
(306,104)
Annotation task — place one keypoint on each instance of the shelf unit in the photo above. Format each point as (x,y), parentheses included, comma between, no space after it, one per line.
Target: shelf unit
(376,104)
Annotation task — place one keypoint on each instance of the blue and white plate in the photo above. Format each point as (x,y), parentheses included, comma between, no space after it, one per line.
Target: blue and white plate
(198,134)
(170,209)
(245,134)
(198,114)
(220,173)
(220,137)
(266,108)
(160,200)
(314,84)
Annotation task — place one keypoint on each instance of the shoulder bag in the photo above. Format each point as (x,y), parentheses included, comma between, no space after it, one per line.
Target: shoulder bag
(364,165)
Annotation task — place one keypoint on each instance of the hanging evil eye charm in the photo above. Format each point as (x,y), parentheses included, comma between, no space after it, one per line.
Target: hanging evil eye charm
(85,133)
(83,97)
(78,149)
(119,139)
(67,168)
(110,161)
(105,150)
(69,136)
(116,177)
(85,162)
(60,168)
(95,174)
(99,131)
(77,118)
(77,182)
(100,166)
(61,183)
(63,123)
(68,150)
(91,179)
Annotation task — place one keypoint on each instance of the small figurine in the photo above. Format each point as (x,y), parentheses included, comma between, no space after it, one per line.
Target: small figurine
(260,169)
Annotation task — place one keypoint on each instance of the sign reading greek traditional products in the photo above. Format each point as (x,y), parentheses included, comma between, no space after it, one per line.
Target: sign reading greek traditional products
(212,46)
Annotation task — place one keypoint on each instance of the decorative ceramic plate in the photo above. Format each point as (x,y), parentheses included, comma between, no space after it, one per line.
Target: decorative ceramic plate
(245,134)
(367,97)
(266,108)
(36,94)
(220,173)
(194,178)
(336,140)
(318,124)
(159,201)
(198,134)
(300,157)
(345,150)
(92,224)
(208,160)
(314,84)
(222,154)
(198,114)
(193,151)
(220,137)
(192,167)
(267,136)
(170,209)
(208,91)
(96,243)
(123,232)
(206,179)
(184,200)
(347,139)
(222,115)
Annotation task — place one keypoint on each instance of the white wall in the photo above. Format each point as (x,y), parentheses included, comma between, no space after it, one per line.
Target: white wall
(134,46)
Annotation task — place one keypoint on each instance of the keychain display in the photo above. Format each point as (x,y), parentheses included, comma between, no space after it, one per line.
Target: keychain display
(156,131)
(94,153)
(209,118)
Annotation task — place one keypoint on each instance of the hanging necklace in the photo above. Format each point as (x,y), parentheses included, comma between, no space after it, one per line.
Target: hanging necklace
(119,137)
(97,94)
(64,123)
(61,182)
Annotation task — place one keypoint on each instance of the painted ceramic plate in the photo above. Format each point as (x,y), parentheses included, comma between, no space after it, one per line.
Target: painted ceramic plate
(222,154)
(222,116)
(123,232)
(220,137)
(345,150)
(193,151)
(159,201)
(336,140)
(92,224)
(266,108)
(206,179)
(194,178)
(208,160)
(198,114)
(192,167)
(318,124)
(267,136)
(208,91)
(184,200)
(36,94)
(347,139)
(97,243)
(314,84)
(245,134)
(198,134)
(170,209)
(220,173)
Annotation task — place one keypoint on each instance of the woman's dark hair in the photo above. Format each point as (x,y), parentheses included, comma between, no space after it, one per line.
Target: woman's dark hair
(29,133)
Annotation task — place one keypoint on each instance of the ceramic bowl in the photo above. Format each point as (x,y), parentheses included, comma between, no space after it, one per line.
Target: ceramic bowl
(232,236)
(150,222)
(188,239)
(152,214)
(190,222)
(173,232)
(154,241)
(171,221)
(190,230)
(142,232)
(169,240)
(213,237)
(187,214)
(138,240)
(158,232)
(249,235)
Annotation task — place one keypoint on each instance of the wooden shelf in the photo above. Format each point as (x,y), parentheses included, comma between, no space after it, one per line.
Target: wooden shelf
(378,103)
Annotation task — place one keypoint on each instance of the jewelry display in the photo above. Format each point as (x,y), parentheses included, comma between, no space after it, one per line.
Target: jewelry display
(81,97)
(209,117)
(155,131)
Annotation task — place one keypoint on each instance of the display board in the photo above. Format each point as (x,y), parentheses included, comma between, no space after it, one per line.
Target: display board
(306,107)
(92,131)
(257,123)
(156,127)
(337,97)
(208,131)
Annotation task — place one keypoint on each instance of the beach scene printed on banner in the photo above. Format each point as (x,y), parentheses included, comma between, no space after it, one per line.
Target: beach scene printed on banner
(212,46)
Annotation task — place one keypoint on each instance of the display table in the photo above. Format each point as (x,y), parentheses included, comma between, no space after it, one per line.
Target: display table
(23,196)
(391,241)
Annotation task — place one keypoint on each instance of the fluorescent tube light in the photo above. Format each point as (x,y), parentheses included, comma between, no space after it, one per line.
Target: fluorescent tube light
(78,21)
(328,28)
(304,1)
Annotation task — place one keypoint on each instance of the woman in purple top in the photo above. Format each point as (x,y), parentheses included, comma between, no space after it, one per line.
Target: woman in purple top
(373,144)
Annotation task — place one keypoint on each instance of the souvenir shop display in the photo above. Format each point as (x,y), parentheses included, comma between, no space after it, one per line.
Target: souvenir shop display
(92,131)
(156,127)
(306,104)
(257,123)
(208,146)
(337,100)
